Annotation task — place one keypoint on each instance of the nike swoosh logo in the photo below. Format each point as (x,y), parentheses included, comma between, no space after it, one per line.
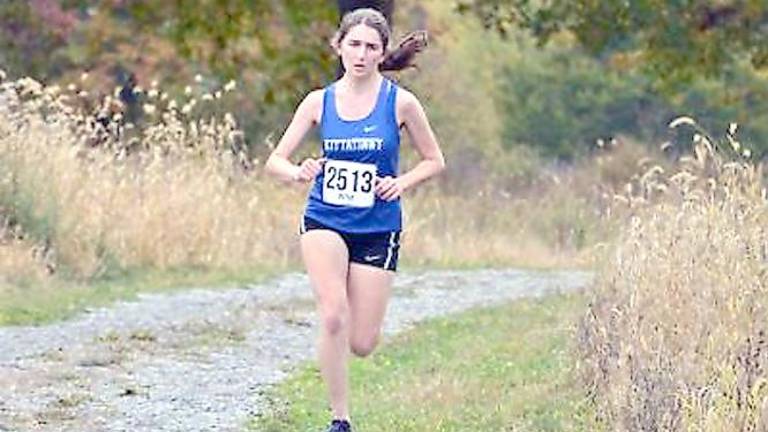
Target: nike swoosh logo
(369,129)
(371,257)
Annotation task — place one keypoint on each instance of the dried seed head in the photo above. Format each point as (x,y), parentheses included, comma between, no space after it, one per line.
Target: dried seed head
(187,108)
(711,184)
(735,145)
(682,120)
(29,86)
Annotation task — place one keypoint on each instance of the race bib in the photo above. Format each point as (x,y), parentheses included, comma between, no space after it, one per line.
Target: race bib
(349,183)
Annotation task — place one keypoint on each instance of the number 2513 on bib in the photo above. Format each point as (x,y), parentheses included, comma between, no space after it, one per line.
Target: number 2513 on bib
(349,183)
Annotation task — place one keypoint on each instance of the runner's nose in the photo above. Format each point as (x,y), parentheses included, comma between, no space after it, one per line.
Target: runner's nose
(360,53)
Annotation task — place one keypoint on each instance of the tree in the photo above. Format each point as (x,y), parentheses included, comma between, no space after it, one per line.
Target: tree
(285,41)
(672,40)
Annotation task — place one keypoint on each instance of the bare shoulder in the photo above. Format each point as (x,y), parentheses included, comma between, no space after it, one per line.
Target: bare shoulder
(407,106)
(406,99)
(311,108)
(315,97)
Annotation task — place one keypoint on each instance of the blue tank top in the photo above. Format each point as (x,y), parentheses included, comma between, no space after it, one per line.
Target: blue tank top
(373,140)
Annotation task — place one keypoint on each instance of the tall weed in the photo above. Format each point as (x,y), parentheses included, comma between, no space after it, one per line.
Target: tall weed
(675,337)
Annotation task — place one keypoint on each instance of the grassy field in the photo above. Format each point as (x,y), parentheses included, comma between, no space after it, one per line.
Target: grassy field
(507,368)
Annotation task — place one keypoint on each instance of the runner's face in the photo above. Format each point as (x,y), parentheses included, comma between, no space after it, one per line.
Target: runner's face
(361,50)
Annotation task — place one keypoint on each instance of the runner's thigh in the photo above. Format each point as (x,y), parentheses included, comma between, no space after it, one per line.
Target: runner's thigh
(368,288)
(327,262)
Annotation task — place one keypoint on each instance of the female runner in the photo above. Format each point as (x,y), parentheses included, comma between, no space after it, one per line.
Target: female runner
(350,229)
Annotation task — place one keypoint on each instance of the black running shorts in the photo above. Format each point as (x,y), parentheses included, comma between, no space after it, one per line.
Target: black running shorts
(379,249)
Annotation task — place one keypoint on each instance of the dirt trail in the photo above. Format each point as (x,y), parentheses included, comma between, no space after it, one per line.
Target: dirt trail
(201,360)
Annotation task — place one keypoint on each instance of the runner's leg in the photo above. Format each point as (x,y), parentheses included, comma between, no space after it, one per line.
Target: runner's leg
(326,259)
(368,289)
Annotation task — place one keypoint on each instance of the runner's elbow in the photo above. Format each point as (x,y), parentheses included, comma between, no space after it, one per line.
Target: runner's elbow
(439,164)
(270,166)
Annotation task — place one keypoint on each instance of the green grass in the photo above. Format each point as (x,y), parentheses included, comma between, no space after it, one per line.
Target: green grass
(503,369)
(32,304)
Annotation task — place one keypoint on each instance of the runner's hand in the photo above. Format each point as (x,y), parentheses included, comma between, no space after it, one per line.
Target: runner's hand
(388,188)
(308,170)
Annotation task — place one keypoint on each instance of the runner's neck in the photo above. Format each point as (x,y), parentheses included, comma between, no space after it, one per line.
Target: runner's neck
(360,85)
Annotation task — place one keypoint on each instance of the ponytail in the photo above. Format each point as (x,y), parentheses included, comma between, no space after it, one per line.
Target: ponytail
(403,56)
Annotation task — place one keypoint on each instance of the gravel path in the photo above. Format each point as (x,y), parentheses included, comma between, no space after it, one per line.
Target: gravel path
(203,359)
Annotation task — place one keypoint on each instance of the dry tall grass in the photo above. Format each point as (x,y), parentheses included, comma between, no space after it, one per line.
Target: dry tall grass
(96,193)
(553,229)
(675,338)
(174,193)
(19,259)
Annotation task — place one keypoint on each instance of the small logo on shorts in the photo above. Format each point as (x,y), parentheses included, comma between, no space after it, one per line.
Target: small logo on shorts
(369,128)
(370,258)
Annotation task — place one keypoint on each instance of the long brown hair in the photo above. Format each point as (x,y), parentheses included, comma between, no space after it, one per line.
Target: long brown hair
(398,59)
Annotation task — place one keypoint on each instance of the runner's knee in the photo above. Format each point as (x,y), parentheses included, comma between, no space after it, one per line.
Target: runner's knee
(334,320)
(363,346)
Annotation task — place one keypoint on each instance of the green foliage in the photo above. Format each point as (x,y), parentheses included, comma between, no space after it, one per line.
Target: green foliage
(671,40)
(286,42)
(739,96)
(561,102)
(276,51)
(232,34)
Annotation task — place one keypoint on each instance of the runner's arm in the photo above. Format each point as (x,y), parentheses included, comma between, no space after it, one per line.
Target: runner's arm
(423,138)
(278,164)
